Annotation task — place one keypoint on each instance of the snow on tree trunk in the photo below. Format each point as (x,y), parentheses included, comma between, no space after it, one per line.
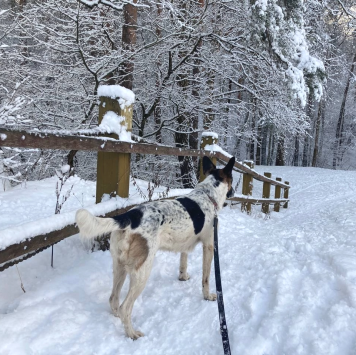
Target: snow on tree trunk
(4,182)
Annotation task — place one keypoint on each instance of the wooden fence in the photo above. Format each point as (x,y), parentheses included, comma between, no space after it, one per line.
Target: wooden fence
(113,180)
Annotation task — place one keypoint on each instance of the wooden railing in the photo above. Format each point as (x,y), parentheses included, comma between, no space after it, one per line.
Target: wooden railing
(21,251)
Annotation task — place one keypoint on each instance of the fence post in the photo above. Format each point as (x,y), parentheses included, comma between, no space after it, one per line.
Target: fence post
(277,194)
(286,194)
(266,193)
(207,138)
(113,169)
(247,186)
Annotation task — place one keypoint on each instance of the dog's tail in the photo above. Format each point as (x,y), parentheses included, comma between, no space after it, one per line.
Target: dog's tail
(91,226)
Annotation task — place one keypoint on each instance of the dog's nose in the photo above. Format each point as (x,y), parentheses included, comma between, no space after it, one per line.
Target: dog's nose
(230,193)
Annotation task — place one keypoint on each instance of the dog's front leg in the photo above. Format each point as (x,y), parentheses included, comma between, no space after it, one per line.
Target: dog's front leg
(183,275)
(208,252)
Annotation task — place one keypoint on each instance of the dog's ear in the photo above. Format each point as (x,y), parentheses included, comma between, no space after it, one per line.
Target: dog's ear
(228,168)
(208,165)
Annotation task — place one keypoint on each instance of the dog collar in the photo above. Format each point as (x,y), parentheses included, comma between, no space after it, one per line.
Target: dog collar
(214,203)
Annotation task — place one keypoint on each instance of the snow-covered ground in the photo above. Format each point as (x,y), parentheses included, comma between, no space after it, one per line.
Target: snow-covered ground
(289,281)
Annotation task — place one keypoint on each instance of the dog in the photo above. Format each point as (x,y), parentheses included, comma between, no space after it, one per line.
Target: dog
(173,225)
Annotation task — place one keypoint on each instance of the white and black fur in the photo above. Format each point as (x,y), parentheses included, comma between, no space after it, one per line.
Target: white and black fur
(174,225)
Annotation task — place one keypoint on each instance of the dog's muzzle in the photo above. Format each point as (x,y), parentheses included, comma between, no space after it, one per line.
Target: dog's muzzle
(230,193)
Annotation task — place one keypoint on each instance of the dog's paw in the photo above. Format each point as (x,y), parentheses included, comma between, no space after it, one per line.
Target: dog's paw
(184,277)
(115,311)
(211,297)
(135,334)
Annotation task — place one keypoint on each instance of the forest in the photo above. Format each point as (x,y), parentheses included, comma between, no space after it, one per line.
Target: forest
(274,79)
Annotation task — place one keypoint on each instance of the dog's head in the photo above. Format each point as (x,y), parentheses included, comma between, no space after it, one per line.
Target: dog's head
(221,175)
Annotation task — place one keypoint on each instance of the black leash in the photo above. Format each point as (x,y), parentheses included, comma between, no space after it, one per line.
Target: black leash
(219,293)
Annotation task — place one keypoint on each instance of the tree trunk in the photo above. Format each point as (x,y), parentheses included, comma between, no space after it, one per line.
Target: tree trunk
(128,42)
(71,159)
(305,151)
(251,153)
(309,112)
(188,120)
(339,136)
(194,117)
(270,147)
(280,152)
(225,122)
(181,138)
(4,182)
(264,132)
(317,134)
(251,149)
(296,151)
(259,145)
(209,117)
(186,164)
(158,111)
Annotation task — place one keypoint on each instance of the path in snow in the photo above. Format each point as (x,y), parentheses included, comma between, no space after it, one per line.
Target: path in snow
(289,286)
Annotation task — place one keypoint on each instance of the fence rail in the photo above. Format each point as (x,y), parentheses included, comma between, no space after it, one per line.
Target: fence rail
(24,139)
(16,253)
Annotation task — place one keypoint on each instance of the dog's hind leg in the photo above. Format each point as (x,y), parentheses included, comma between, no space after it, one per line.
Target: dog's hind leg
(183,275)
(208,252)
(119,270)
(138,280)
(118,281)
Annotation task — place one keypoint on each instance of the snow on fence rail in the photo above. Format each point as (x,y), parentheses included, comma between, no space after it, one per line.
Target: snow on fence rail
(28,246)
